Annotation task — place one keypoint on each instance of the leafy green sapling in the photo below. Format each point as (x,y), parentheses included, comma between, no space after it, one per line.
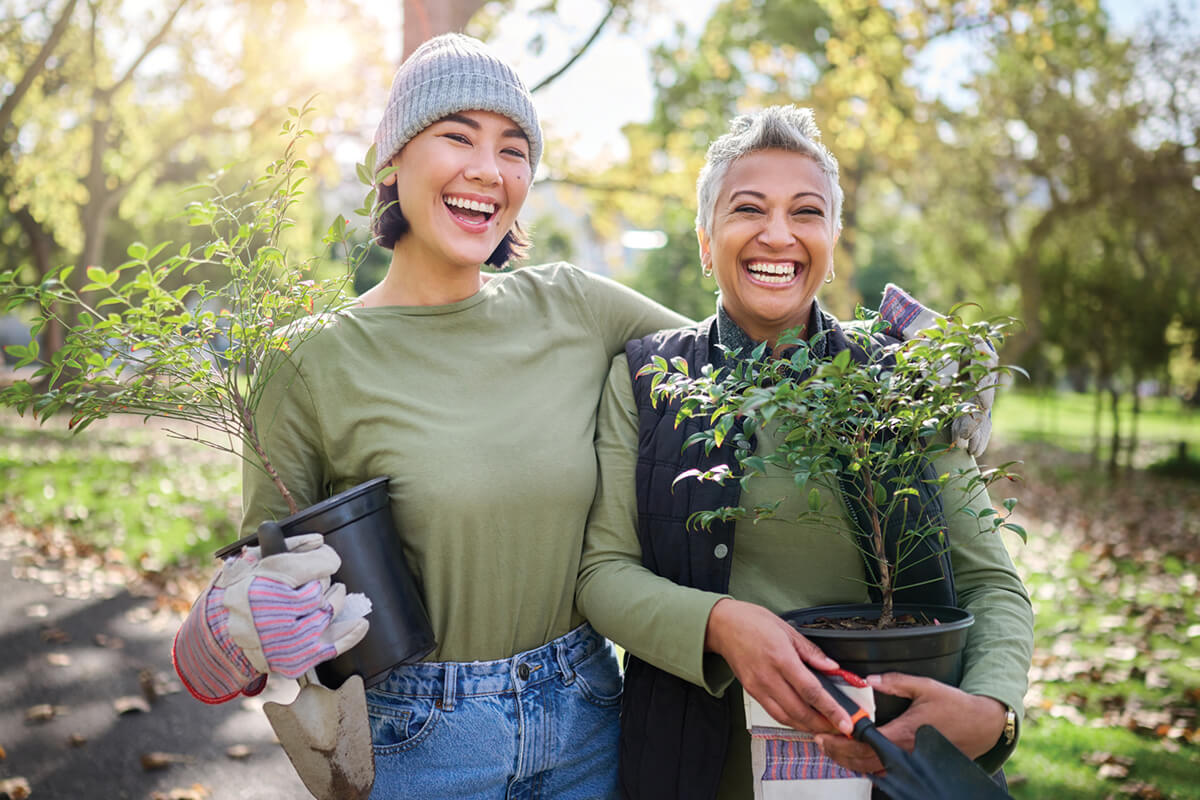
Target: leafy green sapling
(190,335)
(864,432)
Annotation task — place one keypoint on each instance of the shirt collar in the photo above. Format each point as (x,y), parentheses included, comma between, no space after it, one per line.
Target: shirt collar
(737,341)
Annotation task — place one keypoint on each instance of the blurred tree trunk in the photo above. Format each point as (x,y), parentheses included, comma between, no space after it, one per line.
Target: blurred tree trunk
(1132,440)
(1114,393)
(424,19)
(42,246)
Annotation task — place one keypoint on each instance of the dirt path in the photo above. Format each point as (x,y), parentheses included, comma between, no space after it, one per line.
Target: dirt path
(87,694)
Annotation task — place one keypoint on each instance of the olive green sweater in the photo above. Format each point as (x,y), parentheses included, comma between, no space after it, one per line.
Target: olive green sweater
(482,413)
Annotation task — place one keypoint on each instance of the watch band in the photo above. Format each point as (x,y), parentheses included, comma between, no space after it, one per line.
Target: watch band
(1010,726)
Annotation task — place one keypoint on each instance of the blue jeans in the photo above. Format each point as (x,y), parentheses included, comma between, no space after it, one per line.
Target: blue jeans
(542,724)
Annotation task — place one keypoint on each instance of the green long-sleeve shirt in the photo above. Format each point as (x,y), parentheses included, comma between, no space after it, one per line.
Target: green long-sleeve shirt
(482,413)
(780,564)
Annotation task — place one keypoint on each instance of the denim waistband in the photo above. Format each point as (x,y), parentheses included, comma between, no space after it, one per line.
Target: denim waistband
(452,679)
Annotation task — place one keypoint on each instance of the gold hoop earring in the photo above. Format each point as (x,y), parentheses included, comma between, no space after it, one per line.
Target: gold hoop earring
(829,277)
(707,270)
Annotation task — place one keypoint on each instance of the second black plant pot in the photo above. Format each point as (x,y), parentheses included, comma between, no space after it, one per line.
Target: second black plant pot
(931,651)
(358,525)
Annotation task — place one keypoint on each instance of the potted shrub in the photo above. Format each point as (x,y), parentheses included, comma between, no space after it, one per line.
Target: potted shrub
(867,430)
(191,335)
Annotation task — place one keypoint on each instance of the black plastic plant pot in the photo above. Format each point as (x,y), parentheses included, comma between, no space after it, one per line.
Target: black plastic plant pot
(358,525)
(930,651)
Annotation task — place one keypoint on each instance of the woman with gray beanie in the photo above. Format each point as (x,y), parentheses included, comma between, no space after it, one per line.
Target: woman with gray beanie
(476,393)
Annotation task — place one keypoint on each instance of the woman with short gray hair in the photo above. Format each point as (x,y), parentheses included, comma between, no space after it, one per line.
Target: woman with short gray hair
(700,623)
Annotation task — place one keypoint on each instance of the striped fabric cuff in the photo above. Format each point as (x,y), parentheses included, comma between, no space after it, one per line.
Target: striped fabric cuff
(799,759)
(898,309)
(207,669)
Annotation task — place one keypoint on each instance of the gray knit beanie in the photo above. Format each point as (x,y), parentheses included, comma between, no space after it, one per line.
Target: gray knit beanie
(450,73)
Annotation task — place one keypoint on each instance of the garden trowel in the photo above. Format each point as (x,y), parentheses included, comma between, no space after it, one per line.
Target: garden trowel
(934,770)
(324,732)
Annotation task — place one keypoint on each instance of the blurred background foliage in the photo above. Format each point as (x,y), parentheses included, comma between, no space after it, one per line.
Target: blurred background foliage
(1056,180)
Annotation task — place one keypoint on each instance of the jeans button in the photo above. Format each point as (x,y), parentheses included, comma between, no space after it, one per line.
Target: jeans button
(523,671)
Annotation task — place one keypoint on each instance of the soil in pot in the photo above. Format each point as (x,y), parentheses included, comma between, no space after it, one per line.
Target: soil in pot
(929,650)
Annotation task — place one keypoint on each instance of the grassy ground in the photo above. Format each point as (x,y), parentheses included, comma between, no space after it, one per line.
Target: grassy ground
(1070,421)
(120,485)
(1112,567)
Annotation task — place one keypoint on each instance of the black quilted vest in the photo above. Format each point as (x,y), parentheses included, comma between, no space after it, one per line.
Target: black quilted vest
(674,734)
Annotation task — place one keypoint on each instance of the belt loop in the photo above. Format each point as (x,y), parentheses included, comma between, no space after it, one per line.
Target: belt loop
(564,664)
(449,685)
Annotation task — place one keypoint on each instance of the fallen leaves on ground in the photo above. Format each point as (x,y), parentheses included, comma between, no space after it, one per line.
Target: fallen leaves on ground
(43,712)
(1141,791)
(1111,561)
(51,635)
(154,761)
(108,642)
(194,792)
(14,789)
(131,704)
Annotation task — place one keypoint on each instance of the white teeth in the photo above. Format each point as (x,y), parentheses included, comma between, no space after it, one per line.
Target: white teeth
(471,205)
(772,272)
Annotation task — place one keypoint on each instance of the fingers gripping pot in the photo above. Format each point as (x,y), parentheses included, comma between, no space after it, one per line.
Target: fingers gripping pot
(358,525)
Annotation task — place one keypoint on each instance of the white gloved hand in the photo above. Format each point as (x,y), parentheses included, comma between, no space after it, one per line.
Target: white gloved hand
(908,318)
(284,613)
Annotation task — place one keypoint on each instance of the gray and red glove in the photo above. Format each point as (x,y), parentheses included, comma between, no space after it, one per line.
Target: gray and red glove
(275,614)
(907,318)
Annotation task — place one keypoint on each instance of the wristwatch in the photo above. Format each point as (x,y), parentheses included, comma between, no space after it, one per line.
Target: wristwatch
(1010,726)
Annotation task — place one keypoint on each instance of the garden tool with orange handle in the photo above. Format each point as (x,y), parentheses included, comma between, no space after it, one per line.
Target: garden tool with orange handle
(934,770)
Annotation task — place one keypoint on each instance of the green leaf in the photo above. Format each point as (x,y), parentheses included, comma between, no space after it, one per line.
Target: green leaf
(880,493)
(1018,530)
(755,464)
(723,426)
(137,250)
(814,500)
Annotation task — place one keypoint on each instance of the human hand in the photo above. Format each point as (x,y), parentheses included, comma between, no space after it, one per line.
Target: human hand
(282,611)
(907,318)
(771,660)
(973,723)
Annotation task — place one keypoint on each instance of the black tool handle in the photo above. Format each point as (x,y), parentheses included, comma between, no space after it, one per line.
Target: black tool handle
(858,716)
(270,539)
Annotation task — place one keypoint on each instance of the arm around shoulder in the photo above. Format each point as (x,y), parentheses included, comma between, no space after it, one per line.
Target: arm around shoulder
(621,313)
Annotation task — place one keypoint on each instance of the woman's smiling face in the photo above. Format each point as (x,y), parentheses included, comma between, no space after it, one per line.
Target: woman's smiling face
(772,240)
(461,183)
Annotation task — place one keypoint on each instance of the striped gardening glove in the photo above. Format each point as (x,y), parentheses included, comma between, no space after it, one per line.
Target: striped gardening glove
(907,318)
(276,614)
